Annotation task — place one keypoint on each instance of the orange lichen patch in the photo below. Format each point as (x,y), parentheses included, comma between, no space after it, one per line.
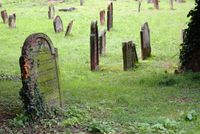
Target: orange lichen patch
(26,68)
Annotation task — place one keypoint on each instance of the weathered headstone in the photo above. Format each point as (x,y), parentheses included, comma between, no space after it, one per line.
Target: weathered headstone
(51,12)
(145,41)
(110,17)
(69,28)
(102,42)
(4,16)
(81,2)
(12,21)
(102,17)
(58,25)
(156,4)
(39,73)
(94,47)
(171,2)
(129,55)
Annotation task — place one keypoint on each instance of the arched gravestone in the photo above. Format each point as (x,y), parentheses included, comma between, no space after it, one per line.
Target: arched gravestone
(58,25)
(39,68)
(145,41)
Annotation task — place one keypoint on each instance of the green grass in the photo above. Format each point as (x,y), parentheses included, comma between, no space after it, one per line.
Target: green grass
(149,94)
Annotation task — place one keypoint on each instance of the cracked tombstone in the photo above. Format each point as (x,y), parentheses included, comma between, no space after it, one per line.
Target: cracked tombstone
(58,25)
(145,41)
(129,55)
(102,17)
(39,74)
(110,17)
(156,4)
(4,16)
(51,12)
(69,28)
(12,21)
(94,48)
(102,42)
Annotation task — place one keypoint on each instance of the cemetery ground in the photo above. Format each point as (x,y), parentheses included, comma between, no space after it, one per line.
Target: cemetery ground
(148,99)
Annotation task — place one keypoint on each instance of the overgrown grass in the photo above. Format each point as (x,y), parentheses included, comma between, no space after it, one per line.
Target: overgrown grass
(143,100)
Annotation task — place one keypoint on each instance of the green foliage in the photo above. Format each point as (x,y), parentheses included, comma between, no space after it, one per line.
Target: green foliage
(191,42)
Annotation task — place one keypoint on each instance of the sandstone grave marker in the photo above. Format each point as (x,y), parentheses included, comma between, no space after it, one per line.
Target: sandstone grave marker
(51,12)
(110,17)
(145,41)
(39,69)
(58,25)
(94,48)
(102,17)
(12,21)
(69,28)
(4,16)
(102,42)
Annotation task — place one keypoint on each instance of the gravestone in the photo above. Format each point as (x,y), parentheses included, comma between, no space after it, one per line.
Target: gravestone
(145,41)
(139,5)
(171,2)
(156,4)
(4,16)
(110,17)
(51,12)
(58,25)
(102,42)
(94,48)
(81,2)
(39,71)
(12,21)
(69,28)
(102,17)
(129,55)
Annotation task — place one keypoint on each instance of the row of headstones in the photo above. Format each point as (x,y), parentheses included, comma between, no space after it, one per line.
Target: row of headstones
(57,22)
(11,19)
(156,3)
(109,16)
(130,58)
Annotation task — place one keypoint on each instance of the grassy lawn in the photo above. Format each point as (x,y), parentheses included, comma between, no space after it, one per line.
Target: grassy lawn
(149,99)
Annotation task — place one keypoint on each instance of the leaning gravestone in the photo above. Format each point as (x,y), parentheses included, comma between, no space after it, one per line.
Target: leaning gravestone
(39,73)
(102,17)
(94,48)
(12,21)
(51,12)
(58,25)
(145,41)
(4,16)
(129,55)
(110,17)
(69,28)
(102,42)
(156,4)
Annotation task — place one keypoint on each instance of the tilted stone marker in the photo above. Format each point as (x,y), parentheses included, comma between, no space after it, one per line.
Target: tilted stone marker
(69,28)
(4,16)
(39,69)
(102,17)
(110,17)
(145,41)
(58,25)
(156,4)
(12,21)
(129,55)
(102,42)
(94,48)
(51,12)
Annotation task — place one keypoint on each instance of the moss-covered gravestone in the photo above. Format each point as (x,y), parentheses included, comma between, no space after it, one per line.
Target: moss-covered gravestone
(40,76)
